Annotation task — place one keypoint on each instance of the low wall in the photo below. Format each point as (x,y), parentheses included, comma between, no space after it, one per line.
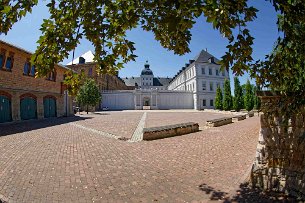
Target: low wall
(169,131)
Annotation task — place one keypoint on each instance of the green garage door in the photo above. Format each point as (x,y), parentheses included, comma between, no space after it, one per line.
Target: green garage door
(49,105)
(28,108)
(5,109)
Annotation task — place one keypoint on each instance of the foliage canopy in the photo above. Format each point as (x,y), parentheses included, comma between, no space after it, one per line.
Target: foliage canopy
(105,23)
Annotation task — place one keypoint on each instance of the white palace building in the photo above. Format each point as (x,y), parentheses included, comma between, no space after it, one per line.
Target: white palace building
(193,87)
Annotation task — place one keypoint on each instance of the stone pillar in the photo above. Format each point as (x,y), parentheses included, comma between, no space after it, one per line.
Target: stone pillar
(15,102)
(40,107)
(280,156)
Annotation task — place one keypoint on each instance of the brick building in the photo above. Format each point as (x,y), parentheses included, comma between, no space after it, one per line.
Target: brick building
(86,64)
(24,97)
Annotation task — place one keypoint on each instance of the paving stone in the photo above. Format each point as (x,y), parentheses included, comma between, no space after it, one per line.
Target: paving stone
(52,160)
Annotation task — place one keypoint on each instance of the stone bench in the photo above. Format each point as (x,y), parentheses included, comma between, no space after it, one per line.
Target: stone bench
(239,117)
(219,122)
(169,131)
(250,114)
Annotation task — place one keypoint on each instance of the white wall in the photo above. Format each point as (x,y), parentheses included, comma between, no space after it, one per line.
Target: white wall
(175,100)
(118,100)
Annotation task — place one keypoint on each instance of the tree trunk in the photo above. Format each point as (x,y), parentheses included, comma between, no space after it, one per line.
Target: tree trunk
(87,109)
(280,154)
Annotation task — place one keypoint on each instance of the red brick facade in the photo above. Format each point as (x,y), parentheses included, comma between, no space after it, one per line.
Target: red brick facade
(17,81)
(104,81)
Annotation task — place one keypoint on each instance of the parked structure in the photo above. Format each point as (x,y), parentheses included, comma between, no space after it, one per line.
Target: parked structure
(24,97)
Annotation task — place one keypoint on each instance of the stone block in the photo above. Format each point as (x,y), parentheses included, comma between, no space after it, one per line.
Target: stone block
(219,122)
(169,131)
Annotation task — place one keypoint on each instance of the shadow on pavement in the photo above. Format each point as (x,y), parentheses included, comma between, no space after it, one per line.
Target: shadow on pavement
(24,126)
(246,194)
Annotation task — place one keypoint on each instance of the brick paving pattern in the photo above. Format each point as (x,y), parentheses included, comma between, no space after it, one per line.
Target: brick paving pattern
(170,118)
(122,124)
(54,161)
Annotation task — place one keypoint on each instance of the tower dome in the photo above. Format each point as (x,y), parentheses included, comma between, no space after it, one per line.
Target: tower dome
(146,70)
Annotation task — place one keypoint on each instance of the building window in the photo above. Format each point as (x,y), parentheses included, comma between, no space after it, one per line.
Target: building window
(26,68)
(9,63)
(204,85)
(204,102)
(33,71)
(210,71)
(211,86)
(223,73)
(51,76)
(1,59)
(211,102)
(217,72)
(217,85)
(203,70)
(90,72)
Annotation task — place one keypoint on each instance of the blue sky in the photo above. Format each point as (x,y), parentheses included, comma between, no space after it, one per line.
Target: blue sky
(26,32)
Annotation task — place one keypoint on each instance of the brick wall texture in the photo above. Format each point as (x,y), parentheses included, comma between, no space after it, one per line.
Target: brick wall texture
(16,85)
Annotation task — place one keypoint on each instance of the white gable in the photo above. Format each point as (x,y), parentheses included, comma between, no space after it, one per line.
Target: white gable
(88,56)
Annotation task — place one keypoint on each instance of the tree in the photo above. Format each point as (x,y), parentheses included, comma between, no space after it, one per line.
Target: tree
(238,95)
(248,98)
(88,94)
(227,98)
(256,100)
(218,98)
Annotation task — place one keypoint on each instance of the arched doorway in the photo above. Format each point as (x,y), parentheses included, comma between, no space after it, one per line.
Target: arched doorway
(5,109)
(146,101)
(28,107)
(49,106)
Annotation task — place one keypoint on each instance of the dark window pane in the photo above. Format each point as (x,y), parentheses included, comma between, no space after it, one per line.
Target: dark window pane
(1,60)
(26,68)
(8,64)
(33,70)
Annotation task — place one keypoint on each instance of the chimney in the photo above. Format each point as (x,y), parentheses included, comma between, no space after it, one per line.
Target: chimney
(206,49)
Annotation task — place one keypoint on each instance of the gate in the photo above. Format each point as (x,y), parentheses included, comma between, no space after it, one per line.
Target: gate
(5,109)
(49,105)
(28,108)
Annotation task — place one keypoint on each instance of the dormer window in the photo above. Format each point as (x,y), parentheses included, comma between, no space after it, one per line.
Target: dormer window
(81,60)
(211,60)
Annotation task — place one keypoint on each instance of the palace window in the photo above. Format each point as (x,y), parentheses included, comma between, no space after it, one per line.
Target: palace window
(204,102)
(211,102)
(204,85)
(210,71)
(203,70)
(211,86)
(223,73)
(217,72)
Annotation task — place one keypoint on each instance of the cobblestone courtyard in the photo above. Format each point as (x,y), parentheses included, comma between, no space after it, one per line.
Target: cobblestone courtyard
(78,159)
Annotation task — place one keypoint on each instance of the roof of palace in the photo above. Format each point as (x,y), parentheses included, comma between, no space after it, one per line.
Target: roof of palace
(136,81)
